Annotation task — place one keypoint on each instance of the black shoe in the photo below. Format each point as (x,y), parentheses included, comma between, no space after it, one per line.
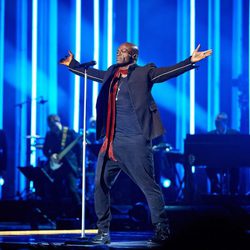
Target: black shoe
(101,238)
(161,235)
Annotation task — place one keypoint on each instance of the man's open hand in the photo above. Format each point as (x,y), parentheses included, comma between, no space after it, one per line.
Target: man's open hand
(67,59)
(200,55)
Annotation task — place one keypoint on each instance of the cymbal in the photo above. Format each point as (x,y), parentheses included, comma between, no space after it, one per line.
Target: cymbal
(37,146)
(33,136)
(162,147)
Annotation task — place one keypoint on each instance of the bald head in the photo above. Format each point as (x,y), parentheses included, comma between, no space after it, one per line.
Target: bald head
(127,53)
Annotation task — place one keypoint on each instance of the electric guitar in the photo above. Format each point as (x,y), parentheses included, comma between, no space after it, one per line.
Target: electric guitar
(55,159)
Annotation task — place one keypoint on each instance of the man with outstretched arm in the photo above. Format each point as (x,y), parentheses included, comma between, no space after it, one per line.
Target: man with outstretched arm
(128,119)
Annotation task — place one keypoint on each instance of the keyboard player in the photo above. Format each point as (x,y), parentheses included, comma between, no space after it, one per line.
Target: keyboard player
(214,173)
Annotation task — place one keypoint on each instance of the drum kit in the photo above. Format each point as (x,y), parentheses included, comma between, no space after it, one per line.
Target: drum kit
(37,141)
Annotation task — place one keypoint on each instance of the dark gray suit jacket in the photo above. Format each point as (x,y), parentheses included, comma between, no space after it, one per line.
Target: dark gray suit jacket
(140,82)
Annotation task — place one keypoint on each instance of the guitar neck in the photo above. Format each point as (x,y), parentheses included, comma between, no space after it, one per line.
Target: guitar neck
(68,148)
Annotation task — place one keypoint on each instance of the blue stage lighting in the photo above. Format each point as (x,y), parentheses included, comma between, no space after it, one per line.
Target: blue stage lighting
(78,56)
(96,52)
(133,21)
(213,75)
(192,73)
(193,169)
(52,60)
(110,33)
(1,59)
(34,82)
(1,181)
(166,183)
(249,68)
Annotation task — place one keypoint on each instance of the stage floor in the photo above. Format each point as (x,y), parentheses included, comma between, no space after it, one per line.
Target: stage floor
(221,224)
(71,239)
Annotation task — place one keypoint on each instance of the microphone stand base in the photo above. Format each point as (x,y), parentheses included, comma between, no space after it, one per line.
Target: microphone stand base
(79,241)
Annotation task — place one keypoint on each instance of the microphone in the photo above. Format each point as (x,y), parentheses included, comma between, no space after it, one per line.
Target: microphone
(87,64)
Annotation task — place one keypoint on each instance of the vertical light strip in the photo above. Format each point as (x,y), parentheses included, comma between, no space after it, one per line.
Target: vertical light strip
(34,81)
(43,61)
(52,88)
(237,38)
(96,53)
(192,72)
(136,22)
(23,69)
(183,49)
(2,8)
(133,21)
(129,39)
(78,56)
(249,68)
(20,107)
(214,63)
(110,33)
(209,75)
(236,59)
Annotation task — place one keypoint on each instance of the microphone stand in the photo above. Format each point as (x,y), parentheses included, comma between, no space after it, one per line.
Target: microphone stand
(86,66)
(20,106)
(83,239)
(84,151)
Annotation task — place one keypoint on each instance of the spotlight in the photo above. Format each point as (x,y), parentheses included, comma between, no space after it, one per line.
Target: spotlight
(1,181)
(166,183)
(193,169)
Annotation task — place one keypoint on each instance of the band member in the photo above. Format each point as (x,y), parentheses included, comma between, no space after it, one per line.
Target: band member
(62,147)
(221,124)
(128,117)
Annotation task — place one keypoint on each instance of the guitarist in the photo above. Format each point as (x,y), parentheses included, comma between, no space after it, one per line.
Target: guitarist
(66,173)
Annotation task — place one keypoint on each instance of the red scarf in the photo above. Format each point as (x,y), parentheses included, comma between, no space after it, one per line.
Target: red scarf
(107,145)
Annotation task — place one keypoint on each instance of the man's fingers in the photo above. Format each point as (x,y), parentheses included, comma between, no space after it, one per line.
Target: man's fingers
(207,52)
(70,53)
(197,48)
(62,60)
